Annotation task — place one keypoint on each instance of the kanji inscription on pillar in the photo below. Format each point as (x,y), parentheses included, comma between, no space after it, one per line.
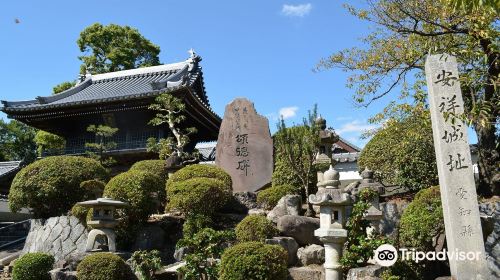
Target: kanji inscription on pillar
(456,177)
(245,147)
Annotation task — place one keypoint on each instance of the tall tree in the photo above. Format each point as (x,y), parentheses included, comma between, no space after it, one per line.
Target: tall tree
(17,141)
(62,87)
(298,146)
(49,143)
(113,47)
(394,55)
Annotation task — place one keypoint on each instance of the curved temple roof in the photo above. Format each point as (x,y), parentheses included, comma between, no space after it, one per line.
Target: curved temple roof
(121,85)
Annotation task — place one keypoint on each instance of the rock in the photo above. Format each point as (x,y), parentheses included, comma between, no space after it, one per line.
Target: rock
(371,272)
(150,237)
(392,211)
(257,211)
(245,147)
(57,236)
(240,203)
(287,205)
(180,253)
(289,244)
(312,272)
(300,228)
(248,199)
(312,254)
(62,274)
(444,278)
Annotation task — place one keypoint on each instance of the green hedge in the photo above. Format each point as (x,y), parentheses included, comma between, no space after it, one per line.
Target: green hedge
(51,186)
(103,266)
(202,171)
(198,195)
(422,220)
(255,228)
(33,266)
(269,197)
(254,260)
(139,189)
(155,166)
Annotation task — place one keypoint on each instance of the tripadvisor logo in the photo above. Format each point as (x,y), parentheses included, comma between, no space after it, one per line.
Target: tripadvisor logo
(387,255)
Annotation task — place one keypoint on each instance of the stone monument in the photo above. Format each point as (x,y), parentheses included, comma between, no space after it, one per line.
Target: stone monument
(456,178)
(245,147)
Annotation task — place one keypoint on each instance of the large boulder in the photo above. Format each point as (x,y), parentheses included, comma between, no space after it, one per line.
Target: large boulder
(287,205)
(62,274)
(289,244)
(240,203)
(371,272)
(312,254)
(312,272)
(300,228)
(150,237)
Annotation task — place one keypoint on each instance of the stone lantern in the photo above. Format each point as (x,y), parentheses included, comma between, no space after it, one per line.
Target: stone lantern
(103,222)
(373,214)
(332,202)
(327,139)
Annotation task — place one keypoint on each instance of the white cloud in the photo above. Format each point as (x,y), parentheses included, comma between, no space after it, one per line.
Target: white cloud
(296,10)
(288,112)
(355,126)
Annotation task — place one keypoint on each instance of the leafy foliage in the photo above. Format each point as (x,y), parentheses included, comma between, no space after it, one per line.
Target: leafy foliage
(138,188)
(41,185)
(254,260)
(194,223)
(49,143)
(394,58)
(102,144)
(198,195)
(474,5)
(255,228)
(422,220)
(201,171)
(17,141)
(146,263)
(359,246)
(169,111)
(113,48)
(156,167)
(33,266)
(297,147)
(103,266)
(205,247)
(402,153)
(62,87)
(269,197)
(93,190)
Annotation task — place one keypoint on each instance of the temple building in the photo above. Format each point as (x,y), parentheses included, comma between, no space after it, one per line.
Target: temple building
(121,99)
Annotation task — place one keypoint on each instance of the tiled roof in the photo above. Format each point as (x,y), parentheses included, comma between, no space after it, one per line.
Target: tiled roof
(207,151)
(120,85)
(346,157)
(8,167)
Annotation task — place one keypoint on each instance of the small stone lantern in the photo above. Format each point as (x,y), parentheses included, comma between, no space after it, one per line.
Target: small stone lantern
(103,221)
(332,202)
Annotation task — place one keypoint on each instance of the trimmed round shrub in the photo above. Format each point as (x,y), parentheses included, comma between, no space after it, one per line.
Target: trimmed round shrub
(51,186)
(80,212)
(93,188)
(254,260)
(255,228)
(202,171)
(422,220)
(155,166)
(198,195)
(139,189)
(33,266)
(269,197)
(195,223)
(103,266)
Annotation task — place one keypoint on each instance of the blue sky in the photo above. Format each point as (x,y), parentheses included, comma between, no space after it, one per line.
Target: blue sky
(262,50)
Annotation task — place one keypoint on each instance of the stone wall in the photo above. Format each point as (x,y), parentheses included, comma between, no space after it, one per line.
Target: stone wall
(57,236)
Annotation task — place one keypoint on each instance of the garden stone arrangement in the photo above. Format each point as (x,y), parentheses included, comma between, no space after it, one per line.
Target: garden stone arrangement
(246,216)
